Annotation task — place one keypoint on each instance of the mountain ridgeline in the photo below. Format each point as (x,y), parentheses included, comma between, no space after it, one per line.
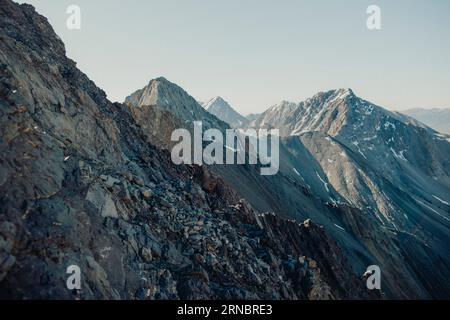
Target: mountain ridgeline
(367,175)
(222,110)
(84,182)
(88,182)
(436,118)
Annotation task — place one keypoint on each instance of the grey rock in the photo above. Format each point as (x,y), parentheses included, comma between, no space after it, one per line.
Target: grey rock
(109,181)
(102,200)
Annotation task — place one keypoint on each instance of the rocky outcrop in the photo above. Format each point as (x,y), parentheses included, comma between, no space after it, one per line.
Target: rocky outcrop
(80,184)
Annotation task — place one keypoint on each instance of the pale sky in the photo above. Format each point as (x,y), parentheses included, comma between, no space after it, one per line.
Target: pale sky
(255,53)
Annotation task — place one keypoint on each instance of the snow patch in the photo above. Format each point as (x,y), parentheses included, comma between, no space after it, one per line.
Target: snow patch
(338,226)
(323,181)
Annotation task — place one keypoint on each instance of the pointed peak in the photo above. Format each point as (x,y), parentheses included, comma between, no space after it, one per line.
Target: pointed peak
(217,99)
(283,105)
(343,92)
(166,88)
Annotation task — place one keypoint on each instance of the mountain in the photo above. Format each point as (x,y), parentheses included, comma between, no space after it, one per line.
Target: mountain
(438,119)
(347,171)
(222,110)
(252,116)
(393,169)
(83,183)
(87,182)
(169,96)
(169,107)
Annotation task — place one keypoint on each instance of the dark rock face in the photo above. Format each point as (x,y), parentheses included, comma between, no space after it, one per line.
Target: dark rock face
(81,185)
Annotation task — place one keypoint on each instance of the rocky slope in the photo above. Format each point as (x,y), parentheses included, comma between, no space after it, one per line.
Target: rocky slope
(81,184)
(412,157)
(222,110)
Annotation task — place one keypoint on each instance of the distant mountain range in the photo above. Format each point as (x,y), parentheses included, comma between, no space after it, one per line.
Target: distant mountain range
(438,119)
(88,182)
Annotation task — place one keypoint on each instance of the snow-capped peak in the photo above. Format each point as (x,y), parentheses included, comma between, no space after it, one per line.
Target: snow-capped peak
(216,102)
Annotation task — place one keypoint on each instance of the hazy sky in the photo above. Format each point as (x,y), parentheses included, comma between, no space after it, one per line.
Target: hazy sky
(255,53)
